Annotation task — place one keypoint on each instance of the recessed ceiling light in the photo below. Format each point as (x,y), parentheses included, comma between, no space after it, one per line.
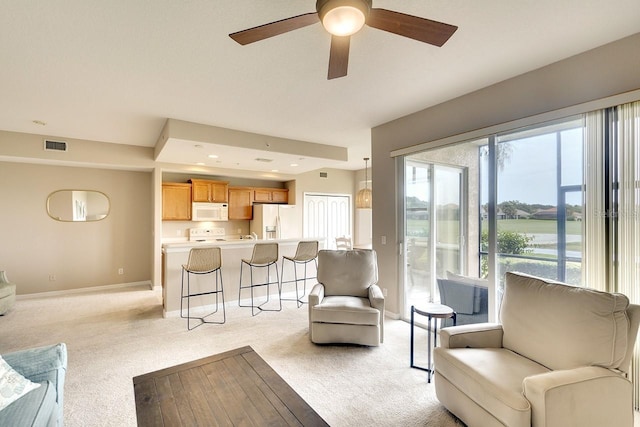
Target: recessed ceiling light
(200,164)
(293,165)
(274,170)
(213,156)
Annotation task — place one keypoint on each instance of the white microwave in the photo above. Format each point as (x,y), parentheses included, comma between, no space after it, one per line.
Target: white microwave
(209,211)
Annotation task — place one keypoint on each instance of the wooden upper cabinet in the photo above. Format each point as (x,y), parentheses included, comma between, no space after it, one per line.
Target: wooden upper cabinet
(270,195)
(176,201)
(240,203)
(204,190)
(280,196)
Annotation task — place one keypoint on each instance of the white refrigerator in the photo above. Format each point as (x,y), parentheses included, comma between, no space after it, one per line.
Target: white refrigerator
(276,222)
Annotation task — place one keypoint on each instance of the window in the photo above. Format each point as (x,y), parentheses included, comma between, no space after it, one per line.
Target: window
(537,201)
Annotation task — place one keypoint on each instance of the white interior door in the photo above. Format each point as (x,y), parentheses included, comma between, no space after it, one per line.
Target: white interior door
(327,216)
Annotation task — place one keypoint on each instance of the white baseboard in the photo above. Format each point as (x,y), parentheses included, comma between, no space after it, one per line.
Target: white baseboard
(87,289)
(394,316)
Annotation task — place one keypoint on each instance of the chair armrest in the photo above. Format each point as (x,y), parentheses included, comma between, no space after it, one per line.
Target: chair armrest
(376,299)
(588,396)
(316,295)
(38,364)
(478,335)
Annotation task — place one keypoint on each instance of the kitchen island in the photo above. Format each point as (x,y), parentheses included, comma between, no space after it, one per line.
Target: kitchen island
(233,251)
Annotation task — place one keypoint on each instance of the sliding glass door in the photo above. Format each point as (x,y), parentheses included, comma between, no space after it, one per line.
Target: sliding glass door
(521,190)
(434,227)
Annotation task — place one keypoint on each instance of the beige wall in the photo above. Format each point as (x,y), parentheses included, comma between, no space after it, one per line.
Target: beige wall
(80,255)
(337,182)
(87,255)
(600,73)
(28,147)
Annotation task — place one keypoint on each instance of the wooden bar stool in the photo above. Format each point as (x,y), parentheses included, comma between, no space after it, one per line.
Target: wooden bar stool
(432,311)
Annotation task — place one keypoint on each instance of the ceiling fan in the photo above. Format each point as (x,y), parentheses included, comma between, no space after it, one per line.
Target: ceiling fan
(343,18)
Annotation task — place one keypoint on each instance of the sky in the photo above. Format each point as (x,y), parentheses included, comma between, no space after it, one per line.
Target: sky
(529,172)
(529,175)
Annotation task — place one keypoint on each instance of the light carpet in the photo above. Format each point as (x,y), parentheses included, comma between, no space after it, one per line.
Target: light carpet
(115,335)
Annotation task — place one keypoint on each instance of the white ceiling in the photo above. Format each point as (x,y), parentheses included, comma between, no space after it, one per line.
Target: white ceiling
(114,71)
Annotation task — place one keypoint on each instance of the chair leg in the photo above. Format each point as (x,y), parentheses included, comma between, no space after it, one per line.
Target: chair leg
(253,285)
(268,285)
(296,280)
(219,289)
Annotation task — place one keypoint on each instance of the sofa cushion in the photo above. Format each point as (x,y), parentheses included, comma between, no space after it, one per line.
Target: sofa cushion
(344,309)
(36,408)
(491,377)
(562,326)
(347,272)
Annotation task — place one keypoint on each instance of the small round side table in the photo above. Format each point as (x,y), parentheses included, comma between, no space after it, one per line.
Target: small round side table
(433,312)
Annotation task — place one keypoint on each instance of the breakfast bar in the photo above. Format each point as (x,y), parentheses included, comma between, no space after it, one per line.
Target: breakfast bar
(233,251)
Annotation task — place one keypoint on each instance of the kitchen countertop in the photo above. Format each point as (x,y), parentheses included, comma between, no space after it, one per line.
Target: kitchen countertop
(230,243)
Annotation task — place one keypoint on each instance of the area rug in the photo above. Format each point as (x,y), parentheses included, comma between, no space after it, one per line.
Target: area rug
(115,335)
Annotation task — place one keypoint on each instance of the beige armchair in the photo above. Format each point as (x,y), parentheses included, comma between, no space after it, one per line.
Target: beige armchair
(347,306)
(560,357)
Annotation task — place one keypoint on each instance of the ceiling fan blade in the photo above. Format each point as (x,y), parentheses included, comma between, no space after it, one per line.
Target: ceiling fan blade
(413,27)
(274,28)
(339,57)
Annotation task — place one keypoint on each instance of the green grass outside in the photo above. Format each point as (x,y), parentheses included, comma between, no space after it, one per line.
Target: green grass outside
(448,229)
(537,226)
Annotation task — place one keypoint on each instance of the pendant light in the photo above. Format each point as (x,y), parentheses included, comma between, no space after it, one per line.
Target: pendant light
(363,198)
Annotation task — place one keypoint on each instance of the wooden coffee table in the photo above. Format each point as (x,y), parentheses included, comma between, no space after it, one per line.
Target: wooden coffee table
(233,388)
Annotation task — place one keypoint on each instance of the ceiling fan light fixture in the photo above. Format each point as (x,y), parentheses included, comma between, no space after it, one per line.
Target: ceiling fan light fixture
(343,17)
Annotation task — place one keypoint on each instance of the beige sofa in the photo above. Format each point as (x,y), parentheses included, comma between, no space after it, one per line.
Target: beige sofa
(560,357)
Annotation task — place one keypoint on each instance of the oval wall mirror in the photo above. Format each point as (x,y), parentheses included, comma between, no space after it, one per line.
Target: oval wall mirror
(78,205)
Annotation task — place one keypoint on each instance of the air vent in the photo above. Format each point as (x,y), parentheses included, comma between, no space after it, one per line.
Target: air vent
(50,145)
(324,175)
(260,159)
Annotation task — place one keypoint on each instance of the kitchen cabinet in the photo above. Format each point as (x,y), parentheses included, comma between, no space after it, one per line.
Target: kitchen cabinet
(240,200)
(176,201)
(270,195)
(204,190)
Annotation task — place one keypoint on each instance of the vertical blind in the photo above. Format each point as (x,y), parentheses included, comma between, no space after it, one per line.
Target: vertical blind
(627,218)
(594,267)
